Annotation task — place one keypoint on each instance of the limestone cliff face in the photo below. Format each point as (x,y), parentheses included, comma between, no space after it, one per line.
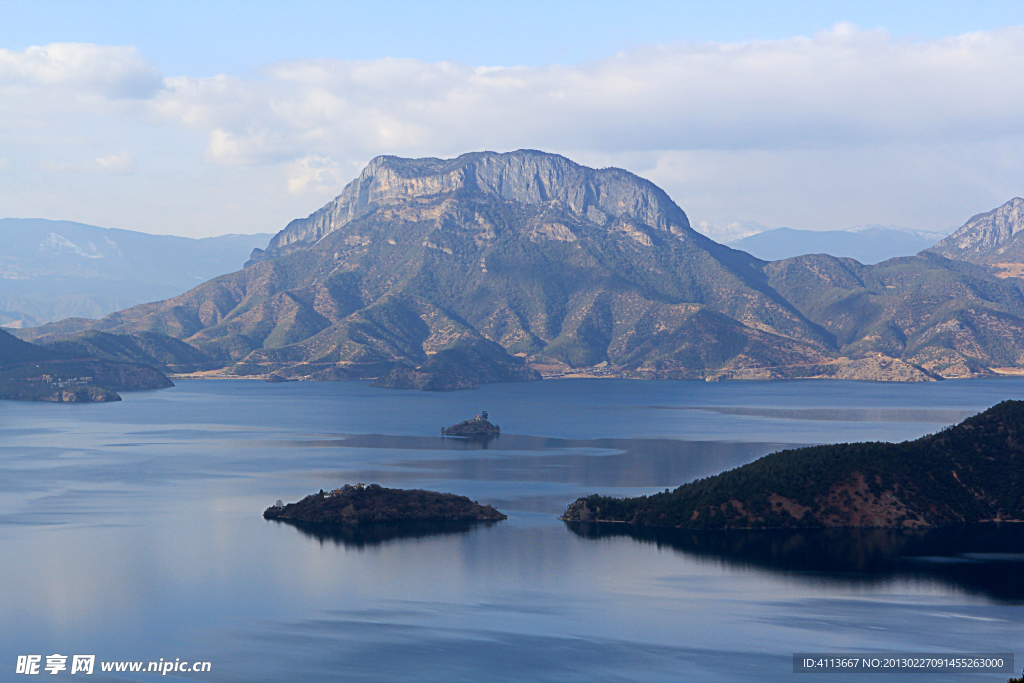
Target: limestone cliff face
(988,237)
(524,177)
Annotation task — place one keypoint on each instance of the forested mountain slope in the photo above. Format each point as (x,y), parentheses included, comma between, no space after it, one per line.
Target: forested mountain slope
(967,473)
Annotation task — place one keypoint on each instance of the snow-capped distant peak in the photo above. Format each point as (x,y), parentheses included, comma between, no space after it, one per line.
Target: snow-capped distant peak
(876,228)
(732,232)
(59,243)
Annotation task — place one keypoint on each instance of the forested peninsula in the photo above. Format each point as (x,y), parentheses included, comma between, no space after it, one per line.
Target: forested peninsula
(967,473)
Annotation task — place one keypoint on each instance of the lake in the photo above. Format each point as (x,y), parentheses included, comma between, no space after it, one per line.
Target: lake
(134,531)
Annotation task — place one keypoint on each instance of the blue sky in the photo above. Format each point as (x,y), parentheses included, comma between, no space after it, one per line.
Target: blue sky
(202,118)
(206,38)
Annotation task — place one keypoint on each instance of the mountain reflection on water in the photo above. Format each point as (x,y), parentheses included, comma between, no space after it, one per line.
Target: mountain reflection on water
(373,534)
(982,559)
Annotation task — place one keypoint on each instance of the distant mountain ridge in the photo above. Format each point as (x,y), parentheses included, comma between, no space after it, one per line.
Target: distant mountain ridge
(731,232)
(569,268)
(51,270)
(868,244)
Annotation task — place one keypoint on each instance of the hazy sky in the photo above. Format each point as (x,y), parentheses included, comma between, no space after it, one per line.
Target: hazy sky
(206,118)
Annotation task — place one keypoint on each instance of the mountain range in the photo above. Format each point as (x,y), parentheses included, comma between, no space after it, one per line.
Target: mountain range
(868,244)
(50,270)
(569,269)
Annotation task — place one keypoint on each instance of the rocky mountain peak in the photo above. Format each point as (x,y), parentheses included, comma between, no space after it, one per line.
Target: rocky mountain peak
(449,273)
(525,176)
(986,236)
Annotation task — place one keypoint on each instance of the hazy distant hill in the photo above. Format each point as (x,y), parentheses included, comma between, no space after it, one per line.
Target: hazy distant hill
(995,238)
(50,270)
(35,373)
(66,340)
(570,268)
(868,244)
(14,350)
(159,350)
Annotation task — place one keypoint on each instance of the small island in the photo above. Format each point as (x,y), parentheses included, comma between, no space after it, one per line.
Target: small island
(477,427)
(968,473)
(371,503)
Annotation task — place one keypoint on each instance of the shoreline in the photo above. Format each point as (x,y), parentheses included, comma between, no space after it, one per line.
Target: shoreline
(996,373)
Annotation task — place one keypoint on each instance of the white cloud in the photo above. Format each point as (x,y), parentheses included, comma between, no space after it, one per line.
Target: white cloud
(107,71)
(121,163)
(845,127)
(5,165)
(314,174)
(841,87)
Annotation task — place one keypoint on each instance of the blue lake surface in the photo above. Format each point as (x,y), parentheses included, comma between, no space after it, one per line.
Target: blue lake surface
(134,531)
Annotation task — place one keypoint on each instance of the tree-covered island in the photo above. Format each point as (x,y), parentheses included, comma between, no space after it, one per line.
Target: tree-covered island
(371,503)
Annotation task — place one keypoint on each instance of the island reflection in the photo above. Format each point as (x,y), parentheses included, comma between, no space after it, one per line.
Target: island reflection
(377,533)
(982,559)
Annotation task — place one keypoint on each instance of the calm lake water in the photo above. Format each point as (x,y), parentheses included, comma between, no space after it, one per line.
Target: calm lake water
(133,531)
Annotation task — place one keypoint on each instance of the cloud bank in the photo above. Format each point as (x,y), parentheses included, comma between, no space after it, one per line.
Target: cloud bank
(845,127)
(78,72)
